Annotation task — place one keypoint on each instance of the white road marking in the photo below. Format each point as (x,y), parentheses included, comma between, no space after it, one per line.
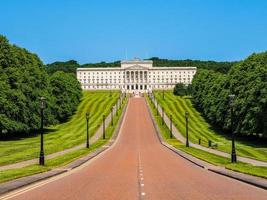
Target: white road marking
(141,179)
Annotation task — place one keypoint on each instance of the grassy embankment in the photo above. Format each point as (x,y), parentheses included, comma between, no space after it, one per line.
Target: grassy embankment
(50,164)
(200,129)
(62,136)
(203,155)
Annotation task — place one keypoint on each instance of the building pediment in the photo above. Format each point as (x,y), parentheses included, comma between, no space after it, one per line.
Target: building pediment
(136,67)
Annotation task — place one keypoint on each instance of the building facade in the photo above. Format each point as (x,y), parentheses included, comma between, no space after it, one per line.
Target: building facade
(134,76)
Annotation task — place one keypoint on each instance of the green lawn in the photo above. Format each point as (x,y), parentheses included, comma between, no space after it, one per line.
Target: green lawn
(203,155)
(64,135)
(200,129)
(50,164)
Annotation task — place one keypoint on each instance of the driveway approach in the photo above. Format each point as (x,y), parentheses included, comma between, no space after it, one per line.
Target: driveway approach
(139,167)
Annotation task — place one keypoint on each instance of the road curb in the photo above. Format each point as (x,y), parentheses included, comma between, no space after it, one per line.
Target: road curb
(28,180)
(249,179)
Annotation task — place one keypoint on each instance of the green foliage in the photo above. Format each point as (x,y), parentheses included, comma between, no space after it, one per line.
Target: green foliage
(102,64)
(69,67)
(62,160)
(61,136)
(23,80)
(206,156)
(199,128)
(248,81)
(223,67)
(181,89)
(67,90)
(72,65)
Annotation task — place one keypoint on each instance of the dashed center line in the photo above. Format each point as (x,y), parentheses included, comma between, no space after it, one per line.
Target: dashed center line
(141,179)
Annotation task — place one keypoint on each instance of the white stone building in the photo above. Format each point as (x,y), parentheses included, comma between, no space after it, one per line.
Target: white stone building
(134,76)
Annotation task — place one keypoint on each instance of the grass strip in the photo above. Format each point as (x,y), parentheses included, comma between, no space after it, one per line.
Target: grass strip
(203,155)
(62,136)
(62,160)
(200,129)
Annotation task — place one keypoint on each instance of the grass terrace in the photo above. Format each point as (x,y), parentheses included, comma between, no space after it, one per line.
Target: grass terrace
(203,155)
(59,161)
(200,129)
(62,136)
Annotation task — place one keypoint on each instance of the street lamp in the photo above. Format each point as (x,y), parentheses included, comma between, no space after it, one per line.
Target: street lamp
(87,129)
(117,108)
(162,116)
(112,116)
(231,102)
(157,108)
(104,131)
(163,93)
(42,106)
(171,126)
(186,129)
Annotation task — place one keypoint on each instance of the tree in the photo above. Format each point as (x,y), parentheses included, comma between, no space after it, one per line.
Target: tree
(69,67)
(179,89)
(248,81)
(67,90)
(23,81)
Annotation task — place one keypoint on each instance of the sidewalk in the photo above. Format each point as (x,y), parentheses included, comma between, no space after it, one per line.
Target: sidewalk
(96,136)
(181,138)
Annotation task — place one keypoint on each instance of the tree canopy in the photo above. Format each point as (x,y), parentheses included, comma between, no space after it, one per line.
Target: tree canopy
(72,65)
(23,80)
(69,67)
(67,91)
(222,67)
(248,81)
(181,89)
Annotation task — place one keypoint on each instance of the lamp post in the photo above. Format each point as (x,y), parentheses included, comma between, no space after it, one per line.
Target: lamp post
(186,129)
(163,96)
(112,116)
(87,129)
(162,116)
(41,157)
(104,129)
(171,126)
(157,108)
(231,102)
(117,108)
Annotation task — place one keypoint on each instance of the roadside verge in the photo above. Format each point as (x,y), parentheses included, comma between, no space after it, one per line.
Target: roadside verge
(253,180)
(25,181)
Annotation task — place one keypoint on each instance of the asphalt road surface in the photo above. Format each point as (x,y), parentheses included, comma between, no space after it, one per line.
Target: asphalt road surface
(139,167)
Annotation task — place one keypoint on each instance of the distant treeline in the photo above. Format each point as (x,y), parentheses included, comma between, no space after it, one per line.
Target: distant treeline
(72,65)
(222,67)
(247,80)
(23,80)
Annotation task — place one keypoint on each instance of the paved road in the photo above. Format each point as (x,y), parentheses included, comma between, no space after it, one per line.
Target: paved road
(139,167)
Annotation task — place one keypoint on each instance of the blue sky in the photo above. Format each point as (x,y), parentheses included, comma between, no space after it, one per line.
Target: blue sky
(95,30)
